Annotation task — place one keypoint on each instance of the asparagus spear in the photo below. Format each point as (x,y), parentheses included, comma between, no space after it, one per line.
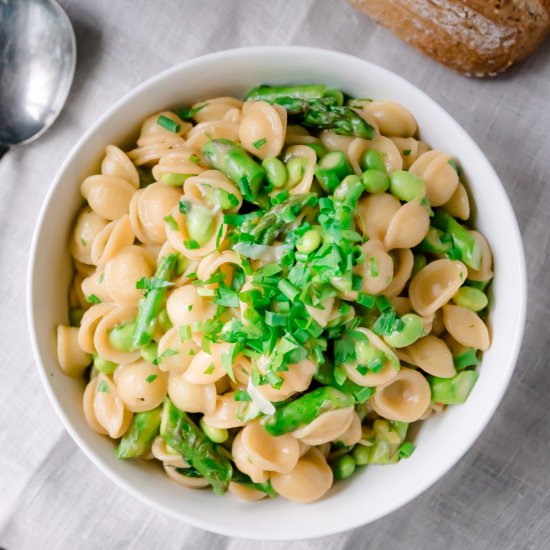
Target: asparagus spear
(317,107)
(152,303)
(470,250)
(143,429)
(455,390)
(237,165)
(272,93)
(183,435)
(266,229)
(305,409)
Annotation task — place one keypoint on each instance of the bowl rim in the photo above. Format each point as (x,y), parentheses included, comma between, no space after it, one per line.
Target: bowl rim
(320,530)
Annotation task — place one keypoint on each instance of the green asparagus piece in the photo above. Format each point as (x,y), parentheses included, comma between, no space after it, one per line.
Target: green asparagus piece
(183,435)
(455,390)
(468,358)
(143,429)
(388,436)
(470,250)
(332,169)
(305,409)
(152,303)
(435,242)
(316,107)
(243,479)
(349,191)
(266,229)
(272,93)
(238,166)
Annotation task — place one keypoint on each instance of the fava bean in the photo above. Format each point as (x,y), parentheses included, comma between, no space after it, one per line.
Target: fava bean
(375,181)
(471,298)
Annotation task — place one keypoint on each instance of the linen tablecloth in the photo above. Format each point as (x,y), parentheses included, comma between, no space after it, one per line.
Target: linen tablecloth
(52,497)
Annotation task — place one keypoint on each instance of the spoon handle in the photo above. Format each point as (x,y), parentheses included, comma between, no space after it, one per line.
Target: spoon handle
(3,150)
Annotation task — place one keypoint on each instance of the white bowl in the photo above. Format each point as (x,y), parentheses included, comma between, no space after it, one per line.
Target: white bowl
(374,491)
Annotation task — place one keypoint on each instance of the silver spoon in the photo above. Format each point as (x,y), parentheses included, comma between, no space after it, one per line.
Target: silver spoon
(37,61)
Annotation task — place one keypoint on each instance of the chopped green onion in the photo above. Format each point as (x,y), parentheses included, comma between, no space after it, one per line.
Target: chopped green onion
(168,124)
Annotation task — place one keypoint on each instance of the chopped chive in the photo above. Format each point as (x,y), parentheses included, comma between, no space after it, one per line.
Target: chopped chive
(168,124)
(186,114)
(172,223)
(103,387)
(93,299)
(194,158)
(168,352)
(366,299)
(382,303)
(185,332)
(84,242)
(191,244)
(373,267)
(258,144)
(151,378)
(242,395)
(406,152)
(406,449)
(288,289)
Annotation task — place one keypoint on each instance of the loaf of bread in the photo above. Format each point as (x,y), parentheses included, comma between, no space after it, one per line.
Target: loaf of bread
(474,37)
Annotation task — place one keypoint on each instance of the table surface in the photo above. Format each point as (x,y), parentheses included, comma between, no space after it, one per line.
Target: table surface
(51,496)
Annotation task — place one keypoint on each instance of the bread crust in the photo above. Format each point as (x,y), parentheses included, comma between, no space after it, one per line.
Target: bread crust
(474,37)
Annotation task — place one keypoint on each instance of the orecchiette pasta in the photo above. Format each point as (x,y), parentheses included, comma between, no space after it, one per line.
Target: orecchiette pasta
(262,291)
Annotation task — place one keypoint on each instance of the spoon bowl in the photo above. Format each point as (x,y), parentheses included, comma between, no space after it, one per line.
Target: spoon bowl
(37,62)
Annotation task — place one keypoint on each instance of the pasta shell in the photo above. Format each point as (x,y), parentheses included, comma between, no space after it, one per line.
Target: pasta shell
(405,398)
(485,272)
(160,452)
(278,454)
(71,358)
(374,214)
(376,269)
(434,285)
(88,325)
(185,306)
(196,187)
(141,385)
(88,407)
(175,355)
(458,206)
(156,202)
(245,463)
(185,481)
(109,409)
(215,109)
(225,413)
(245,493)
(466,327)
(440,177)
(108,196)
(124,270)
(307,153)
(116,163)
(87,227)
(177,161)
(408,226)
(204,131)
(111,240)
(193,398)
(371,379)
(310,479)
(335,142)
(392,118)
(326,427)
(432,355)
(353,434)
(403,264)
(262,121)
(410,149)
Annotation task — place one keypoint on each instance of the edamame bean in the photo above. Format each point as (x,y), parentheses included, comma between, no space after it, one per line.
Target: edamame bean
(369,356)
(219,197)
(121,336)
(200,224)
(296,168)
(150,352)
(361,455)
(217,435)
(407,186)
(164,321)
(174,179)
(104,366)
(375,181)
(412,330)
(276,171)
(343,467)
(310,240)
(471,298)
(372,160)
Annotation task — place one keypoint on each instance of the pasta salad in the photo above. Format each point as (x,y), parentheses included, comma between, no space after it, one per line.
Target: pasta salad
(269,292)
